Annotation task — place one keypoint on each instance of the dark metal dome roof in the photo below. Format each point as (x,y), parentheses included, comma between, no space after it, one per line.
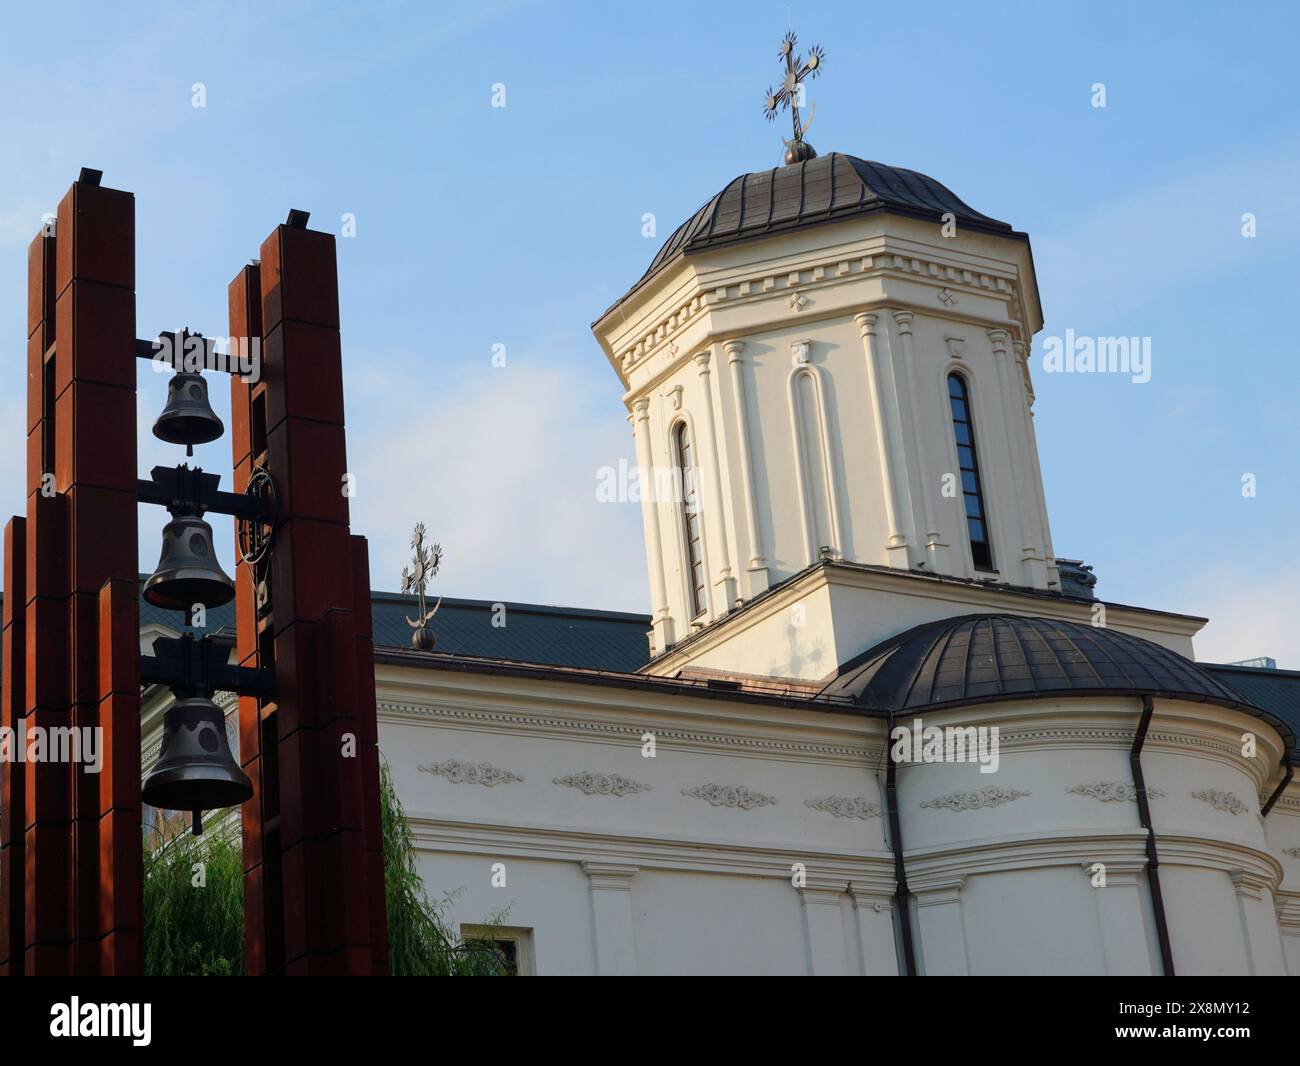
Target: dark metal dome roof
(817,190)
(982,658)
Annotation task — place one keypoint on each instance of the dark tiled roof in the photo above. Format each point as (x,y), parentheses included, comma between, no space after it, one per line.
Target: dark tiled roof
(1275,691)
(551,636)
(981,658)
(818,190)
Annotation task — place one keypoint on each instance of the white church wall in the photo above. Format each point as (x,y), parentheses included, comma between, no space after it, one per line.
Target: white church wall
(1004,866)
(655,880)
(549,898)
(807,628)
(702,924)
(1282,829)
(678,872)
(1009,917)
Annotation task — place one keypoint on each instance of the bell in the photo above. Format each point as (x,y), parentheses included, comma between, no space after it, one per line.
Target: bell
(188,571)
(188,418)
(195,770)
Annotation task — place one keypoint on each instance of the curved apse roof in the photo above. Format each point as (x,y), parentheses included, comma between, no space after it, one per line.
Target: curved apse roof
(982,658)
(824,189)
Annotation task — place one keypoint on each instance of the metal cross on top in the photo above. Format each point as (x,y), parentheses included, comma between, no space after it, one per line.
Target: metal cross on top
(415,579)
(791,95)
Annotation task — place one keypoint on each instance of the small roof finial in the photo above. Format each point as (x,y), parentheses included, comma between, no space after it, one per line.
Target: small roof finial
(791,95)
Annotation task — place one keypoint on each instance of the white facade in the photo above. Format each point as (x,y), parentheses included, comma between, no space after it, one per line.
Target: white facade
(811,368)
(810,371)
(661,881)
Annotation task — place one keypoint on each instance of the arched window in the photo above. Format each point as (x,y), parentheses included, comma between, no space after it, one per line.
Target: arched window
(691,532)
(963,428)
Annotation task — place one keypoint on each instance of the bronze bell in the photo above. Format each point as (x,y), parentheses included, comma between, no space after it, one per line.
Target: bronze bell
(195,770)
(188,418)
(188,571)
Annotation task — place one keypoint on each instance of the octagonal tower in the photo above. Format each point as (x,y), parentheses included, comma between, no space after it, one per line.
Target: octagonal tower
(834,354)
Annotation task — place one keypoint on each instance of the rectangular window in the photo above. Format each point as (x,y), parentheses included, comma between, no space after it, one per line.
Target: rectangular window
(512,946)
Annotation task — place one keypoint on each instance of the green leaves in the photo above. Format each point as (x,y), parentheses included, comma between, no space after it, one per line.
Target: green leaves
(194,904)
(194,907)
(421,943)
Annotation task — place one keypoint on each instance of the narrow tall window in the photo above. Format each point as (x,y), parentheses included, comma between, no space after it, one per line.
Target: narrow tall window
(690,521)
(963,428)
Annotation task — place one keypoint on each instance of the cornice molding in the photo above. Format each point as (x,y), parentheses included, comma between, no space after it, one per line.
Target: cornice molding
(620,733)
(579,844)
(610,876)
(792,284)
(745,741)
(1119,848)
(973,597)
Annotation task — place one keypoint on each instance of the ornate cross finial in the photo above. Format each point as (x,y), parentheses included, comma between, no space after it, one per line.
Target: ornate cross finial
(791,95)
(415,578)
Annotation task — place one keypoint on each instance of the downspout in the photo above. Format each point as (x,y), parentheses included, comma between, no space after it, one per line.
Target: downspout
(1277,792)
(1153,858)
(902,897)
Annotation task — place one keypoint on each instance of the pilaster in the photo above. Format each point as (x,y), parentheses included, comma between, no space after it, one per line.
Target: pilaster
(941,928)
(936,551)
(757,565)
(1120,914)
(725,582)
(889,443)
(661,623)
(611,906)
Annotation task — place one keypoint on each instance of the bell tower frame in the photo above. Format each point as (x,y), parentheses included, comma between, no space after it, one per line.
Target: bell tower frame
(313,852)
(70,840)
(70,847)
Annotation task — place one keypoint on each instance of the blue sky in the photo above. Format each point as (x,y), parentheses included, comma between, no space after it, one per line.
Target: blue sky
(479,226)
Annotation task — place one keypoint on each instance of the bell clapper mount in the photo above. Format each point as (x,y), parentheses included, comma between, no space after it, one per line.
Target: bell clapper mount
(195,770)
(187,418)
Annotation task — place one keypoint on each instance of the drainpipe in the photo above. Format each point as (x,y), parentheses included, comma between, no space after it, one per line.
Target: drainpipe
(1289,772)
(902,896)
(1153,858)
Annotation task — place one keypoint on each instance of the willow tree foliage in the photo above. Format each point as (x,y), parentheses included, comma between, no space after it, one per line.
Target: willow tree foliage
(194,906)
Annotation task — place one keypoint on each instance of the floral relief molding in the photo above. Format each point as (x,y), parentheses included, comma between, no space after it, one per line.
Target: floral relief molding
(976,798)
(845,806)
(1112,791)
(468,773)
(1220,801)
(601,784)
(739,796)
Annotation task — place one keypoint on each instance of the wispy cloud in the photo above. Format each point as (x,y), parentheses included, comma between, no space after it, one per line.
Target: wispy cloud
(1252,611)
(500,464)
(1132,249)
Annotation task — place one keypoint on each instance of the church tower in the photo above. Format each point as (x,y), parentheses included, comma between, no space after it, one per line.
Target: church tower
(833,354)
